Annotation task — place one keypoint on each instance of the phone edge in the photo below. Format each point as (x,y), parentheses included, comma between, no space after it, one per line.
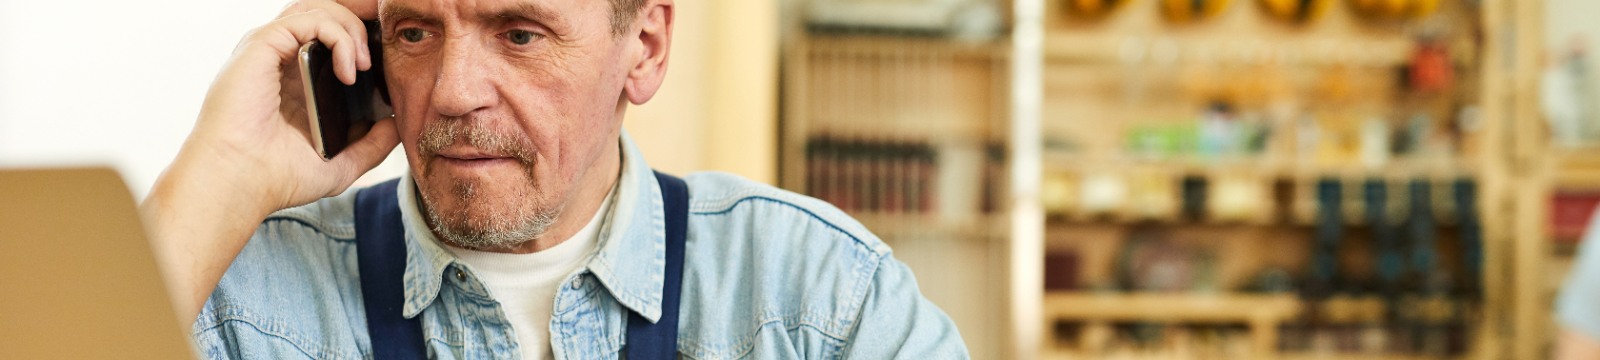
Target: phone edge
(308,87)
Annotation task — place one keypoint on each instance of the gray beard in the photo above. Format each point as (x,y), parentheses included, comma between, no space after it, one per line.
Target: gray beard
(496,232)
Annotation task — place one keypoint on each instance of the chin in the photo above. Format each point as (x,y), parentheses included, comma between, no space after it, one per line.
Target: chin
(485,211)
(481,196)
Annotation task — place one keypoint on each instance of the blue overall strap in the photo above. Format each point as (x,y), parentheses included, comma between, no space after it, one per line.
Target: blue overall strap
(381,260)
(659,341)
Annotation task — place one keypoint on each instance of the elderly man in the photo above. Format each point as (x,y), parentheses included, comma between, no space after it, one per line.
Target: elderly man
(528,225)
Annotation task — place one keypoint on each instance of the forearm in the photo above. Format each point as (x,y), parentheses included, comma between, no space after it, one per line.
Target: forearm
(198,223)
(250,151)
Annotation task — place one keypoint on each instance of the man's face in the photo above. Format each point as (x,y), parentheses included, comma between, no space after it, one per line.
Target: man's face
(503,106)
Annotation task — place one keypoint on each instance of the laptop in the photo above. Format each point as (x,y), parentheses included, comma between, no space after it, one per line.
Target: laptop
(78,278)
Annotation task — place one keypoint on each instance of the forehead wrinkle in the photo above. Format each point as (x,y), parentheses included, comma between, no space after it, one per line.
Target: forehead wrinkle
(524,10)
(392,12)
(499,12)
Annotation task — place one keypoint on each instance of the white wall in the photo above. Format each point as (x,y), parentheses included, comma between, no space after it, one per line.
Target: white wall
(111,82)
(1567,21)
(1566,18)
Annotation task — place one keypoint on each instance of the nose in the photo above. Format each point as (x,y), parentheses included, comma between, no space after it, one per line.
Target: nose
(464,83)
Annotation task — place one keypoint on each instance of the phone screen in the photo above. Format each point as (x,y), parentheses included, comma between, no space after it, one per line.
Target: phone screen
(340,114)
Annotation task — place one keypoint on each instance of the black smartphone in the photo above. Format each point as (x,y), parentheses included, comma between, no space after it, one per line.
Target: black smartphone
(339,113)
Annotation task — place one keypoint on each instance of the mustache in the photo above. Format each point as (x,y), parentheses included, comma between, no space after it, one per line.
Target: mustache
(445,132)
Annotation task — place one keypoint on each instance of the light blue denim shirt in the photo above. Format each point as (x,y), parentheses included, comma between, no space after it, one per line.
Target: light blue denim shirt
(768,274)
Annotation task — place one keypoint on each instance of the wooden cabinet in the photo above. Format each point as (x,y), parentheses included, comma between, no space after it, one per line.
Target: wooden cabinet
(983,162)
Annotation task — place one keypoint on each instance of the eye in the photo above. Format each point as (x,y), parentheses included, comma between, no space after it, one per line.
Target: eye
(412,34)
(521,37)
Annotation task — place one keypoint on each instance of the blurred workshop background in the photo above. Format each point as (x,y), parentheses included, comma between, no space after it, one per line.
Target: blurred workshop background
(1315,179)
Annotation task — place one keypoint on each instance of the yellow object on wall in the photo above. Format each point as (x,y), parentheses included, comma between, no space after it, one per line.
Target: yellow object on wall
(1092,9)
(1295,11)
(1187,11)
(1394,9)
(1422,8)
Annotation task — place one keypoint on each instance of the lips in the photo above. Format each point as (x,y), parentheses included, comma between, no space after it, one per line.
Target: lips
(473,160)
(469,153)
(473,156)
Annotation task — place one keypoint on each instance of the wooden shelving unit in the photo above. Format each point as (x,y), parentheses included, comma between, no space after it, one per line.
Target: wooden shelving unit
(1260,313)
(851,98)
(1113,75)
(956,100)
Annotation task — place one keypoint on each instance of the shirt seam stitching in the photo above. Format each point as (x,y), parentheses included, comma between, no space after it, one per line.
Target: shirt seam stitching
(858,301)
(315,226)
(747,345)
(242,316)
(812,214)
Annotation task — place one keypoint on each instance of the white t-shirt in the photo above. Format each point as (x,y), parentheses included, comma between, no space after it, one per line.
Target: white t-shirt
(524,284)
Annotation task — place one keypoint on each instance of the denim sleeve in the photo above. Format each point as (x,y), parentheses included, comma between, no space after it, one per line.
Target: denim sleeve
(897,322)
(1578,306)
(288,294)
(239,340)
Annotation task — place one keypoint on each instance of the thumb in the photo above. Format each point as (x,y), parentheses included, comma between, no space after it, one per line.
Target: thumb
(366,153)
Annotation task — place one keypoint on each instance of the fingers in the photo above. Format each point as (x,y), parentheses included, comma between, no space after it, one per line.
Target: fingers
(348,20)
(284,36)
(367,153)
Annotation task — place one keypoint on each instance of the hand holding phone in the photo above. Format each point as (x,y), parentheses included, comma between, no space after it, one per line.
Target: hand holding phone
(247,155)
(340,114)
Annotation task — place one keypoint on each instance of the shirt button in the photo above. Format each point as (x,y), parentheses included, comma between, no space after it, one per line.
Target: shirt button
(461,276)
(577,282)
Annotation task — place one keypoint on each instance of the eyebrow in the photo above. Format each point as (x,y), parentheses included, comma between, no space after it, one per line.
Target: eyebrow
(526,11)
(392,12)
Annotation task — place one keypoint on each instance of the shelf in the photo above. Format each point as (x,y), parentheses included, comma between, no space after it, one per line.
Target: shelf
(903,47)
(1258,192)
(1576,169)
(1279,168)
(1353,310)
(1352,356)
(1262,314)
(885,87)
(1062,354)
(1584,180)
(1060,223)
(1209,308)
(1221,308)
(1079,47)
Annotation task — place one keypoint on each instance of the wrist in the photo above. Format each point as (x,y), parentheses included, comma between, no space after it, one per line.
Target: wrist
(221,177)
(199,214)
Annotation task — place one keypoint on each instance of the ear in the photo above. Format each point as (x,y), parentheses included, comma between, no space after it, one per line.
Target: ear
(654,40)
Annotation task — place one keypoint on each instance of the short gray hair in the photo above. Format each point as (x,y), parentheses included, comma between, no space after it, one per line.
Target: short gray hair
(622,13)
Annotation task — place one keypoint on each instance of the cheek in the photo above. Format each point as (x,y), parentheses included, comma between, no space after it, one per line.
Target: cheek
(590,110)
(410,79)
(542,104)
(410,99)
(410,132)
(409,95)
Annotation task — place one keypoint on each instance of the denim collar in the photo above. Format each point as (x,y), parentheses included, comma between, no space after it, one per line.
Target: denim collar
(631,252)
